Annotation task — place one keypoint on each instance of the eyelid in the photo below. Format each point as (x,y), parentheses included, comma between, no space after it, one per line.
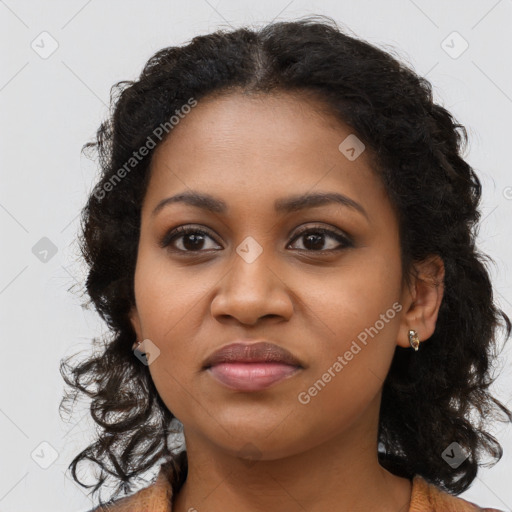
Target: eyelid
(339,235)
(174,233)
(343,238)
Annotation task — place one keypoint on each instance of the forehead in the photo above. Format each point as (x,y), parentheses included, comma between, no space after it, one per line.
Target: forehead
(280,123)
(246,145)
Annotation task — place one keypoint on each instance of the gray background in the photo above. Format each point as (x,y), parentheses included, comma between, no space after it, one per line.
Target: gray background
(52,104)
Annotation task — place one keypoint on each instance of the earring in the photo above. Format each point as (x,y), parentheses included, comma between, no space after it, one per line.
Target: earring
(414,341)
(136,345)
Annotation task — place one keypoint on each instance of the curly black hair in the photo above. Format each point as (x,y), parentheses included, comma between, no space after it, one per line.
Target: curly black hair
(430,399)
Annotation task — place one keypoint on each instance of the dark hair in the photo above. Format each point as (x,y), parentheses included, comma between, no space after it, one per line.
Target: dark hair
(431,398)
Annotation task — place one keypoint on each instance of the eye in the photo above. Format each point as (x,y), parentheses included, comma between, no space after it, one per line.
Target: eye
(191,239)
(314,239)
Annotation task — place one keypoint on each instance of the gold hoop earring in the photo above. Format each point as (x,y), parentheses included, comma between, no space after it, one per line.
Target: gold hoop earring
(414,341)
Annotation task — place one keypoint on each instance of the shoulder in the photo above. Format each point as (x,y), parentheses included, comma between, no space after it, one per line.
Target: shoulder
(427,497)
(156,497)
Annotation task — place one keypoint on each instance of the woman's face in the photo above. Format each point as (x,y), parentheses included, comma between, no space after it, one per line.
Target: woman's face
(333,299)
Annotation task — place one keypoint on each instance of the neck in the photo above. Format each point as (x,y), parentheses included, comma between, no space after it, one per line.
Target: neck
(341,474)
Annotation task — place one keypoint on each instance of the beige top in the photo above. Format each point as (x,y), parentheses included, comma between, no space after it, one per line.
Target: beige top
(425,497)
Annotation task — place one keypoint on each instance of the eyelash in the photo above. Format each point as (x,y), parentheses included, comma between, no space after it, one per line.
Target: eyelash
(181,231)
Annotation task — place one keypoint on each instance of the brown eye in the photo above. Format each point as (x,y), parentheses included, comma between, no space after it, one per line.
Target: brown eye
(191,239)
(314,239)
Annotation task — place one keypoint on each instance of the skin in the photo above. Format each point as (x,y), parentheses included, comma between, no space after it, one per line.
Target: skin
(250,150)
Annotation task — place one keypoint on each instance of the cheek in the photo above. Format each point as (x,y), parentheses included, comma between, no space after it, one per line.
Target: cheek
(350,369)
(167,298)
(352,298)
(354,322)
(169,306)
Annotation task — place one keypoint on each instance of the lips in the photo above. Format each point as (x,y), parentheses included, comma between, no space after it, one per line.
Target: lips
(251,366)
(256,352)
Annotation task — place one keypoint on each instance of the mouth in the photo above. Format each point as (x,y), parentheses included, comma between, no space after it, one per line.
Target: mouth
(251,367)
(251,376)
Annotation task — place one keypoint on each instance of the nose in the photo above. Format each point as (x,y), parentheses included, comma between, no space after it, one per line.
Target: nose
(251,291)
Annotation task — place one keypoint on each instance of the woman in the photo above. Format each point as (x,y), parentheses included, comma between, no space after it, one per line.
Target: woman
(282,243)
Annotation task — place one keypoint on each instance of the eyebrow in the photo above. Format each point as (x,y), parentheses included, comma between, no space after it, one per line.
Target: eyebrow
(284,205)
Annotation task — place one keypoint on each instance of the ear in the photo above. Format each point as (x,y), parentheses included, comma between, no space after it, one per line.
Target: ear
(135,321)
(422,300)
